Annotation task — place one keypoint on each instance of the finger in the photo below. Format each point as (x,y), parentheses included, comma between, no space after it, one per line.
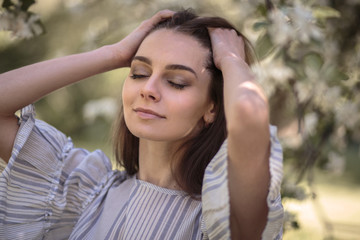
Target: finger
(148,24)
(161,15)
(226,35)
(223,31)
(210,29)
(215,31)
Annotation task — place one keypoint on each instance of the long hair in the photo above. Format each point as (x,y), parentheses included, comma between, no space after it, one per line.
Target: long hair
(197,152)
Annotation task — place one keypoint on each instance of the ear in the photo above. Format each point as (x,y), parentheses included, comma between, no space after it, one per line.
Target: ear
(210,114)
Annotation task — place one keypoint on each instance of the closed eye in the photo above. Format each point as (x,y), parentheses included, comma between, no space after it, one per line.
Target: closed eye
(137,76)
(177,85)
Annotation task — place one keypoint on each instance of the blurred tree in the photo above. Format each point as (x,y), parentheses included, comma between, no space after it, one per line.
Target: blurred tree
(309,66)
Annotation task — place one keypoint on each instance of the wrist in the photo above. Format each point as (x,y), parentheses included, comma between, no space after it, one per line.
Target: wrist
(110,56)
(236,66)
(233,61)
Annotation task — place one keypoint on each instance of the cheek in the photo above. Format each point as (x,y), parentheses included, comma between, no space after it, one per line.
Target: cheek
(127,99)
(189,110)
(127,93)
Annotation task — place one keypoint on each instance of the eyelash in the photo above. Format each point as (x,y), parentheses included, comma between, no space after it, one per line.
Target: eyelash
(174,85)
(137,76)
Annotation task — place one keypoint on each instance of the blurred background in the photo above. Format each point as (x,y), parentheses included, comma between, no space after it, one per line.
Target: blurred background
(309,62)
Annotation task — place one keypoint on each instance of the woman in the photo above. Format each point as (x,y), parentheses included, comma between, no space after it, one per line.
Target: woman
(182,180)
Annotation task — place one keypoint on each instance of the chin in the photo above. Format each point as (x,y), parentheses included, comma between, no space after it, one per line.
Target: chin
(148,135)
(158,135)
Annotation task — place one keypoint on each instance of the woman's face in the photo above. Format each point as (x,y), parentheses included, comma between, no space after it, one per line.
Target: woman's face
(166,95)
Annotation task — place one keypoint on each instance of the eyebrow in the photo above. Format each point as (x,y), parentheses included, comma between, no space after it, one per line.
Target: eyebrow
(168,67)
(143,59)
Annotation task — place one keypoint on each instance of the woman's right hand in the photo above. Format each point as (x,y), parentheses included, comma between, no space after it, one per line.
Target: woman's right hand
(25,85)
(125,49)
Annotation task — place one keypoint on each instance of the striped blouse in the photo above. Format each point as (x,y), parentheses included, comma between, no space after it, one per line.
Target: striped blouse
(51,190)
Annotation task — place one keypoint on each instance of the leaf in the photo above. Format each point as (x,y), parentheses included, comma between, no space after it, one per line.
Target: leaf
(314,60)
(323,12)
(339,75)
(295,224)
(343,76)
(260,25)
(26,4)
(7,4)
(261,9)
(263,46)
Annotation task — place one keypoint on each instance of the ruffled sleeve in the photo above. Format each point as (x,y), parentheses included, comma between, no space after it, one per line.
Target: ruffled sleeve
(216,201)
(47,183)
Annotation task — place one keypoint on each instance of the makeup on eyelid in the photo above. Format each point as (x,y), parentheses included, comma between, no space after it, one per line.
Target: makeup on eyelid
(147,61)
(176,76)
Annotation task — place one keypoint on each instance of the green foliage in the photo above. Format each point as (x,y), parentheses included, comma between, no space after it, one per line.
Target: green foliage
(7,4)
(23,4)
(325,12)
(264,45)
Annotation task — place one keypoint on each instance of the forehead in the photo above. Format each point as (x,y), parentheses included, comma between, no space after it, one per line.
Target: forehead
(166,46)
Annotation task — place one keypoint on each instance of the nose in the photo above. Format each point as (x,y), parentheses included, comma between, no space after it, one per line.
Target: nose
(150,90)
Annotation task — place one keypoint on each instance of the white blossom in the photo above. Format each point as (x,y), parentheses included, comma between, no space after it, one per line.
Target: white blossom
(263,80)
(347,113)
(304,22)
(281,31)
(277,71)
(21,24)
(310,123)
(293,24)
(272,73)
(304,91)
(328,98)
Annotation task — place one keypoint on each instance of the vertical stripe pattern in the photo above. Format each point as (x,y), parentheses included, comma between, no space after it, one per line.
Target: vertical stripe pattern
(150,212)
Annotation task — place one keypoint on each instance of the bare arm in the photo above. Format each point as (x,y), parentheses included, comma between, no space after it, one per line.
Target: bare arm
(26,85)
(247,116)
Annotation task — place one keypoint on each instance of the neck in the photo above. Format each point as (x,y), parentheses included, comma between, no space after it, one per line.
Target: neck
(155,159)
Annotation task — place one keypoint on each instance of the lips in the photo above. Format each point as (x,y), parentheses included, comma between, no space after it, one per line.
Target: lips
(147,113)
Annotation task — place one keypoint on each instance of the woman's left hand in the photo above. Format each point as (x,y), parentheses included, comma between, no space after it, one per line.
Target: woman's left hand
(227,45)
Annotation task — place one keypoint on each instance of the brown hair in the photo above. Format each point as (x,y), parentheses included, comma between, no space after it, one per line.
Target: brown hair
(199,150)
